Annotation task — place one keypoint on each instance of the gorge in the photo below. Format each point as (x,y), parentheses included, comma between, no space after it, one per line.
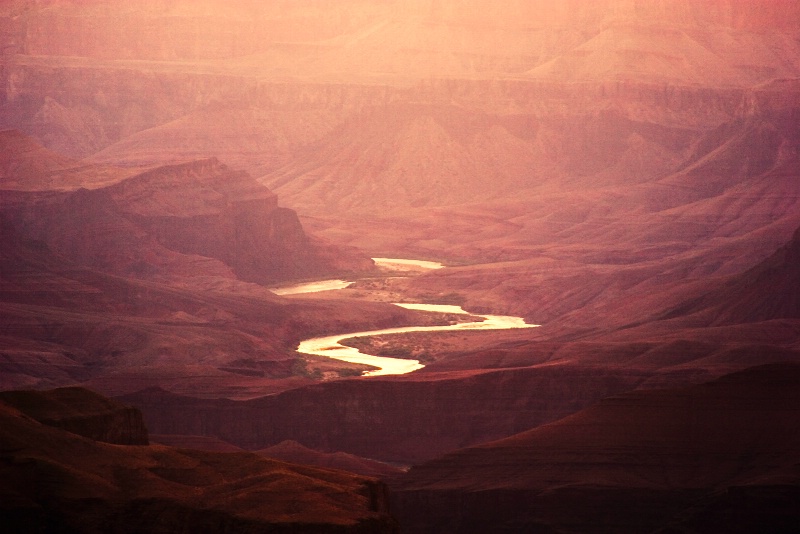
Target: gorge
(331,347)
(176,176)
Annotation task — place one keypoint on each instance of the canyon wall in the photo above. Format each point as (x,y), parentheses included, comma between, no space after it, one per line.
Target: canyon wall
(258,85)
(401,421)
(81,412)
(194,219)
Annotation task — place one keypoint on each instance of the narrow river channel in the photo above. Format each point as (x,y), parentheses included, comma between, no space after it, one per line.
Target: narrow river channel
(331,347)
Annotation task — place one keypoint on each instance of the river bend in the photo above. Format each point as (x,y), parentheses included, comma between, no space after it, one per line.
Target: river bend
(331,347)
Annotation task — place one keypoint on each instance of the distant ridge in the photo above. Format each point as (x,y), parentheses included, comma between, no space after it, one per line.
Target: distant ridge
(26,165)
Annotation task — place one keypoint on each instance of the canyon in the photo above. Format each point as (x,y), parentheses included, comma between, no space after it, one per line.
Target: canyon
(623,173)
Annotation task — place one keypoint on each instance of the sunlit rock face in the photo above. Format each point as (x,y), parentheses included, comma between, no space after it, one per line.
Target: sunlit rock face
(344,106)
(479,36)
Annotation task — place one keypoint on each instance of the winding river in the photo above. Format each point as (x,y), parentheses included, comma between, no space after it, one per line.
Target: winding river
(331,347)
(312,287)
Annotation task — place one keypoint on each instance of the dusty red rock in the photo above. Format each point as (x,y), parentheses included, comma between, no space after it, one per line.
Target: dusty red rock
(66,324)
(82,412)
(724,451)
(291,451)
(55,480)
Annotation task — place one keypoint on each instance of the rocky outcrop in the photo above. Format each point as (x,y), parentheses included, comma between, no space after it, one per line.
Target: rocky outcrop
(205,209)
(81,412)
(199,218)
(52,480)
(676,459)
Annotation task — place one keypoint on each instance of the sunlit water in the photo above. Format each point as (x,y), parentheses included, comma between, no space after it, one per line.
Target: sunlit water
(312,287)
(331,347)
(397,263)
(329,285)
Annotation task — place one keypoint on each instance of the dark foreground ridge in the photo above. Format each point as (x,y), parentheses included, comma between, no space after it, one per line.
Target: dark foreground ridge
(83,412)
(716,457)
(53,480)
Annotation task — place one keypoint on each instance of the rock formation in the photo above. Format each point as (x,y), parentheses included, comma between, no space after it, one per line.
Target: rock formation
(401,420)
(81,412)
(54,480)
(291,451)
(198,218)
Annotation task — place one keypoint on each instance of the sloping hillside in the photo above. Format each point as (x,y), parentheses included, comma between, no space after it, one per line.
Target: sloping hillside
(721,456)
(55,480)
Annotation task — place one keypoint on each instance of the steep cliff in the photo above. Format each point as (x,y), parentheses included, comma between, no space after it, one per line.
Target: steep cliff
(193,219)
(81,412)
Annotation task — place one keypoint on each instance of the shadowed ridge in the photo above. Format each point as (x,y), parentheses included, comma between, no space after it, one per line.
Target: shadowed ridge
(292,451)
(206,185)
(768,291)
(630,463)
(83,412)
(199,218)
(26,165)
(56,481)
